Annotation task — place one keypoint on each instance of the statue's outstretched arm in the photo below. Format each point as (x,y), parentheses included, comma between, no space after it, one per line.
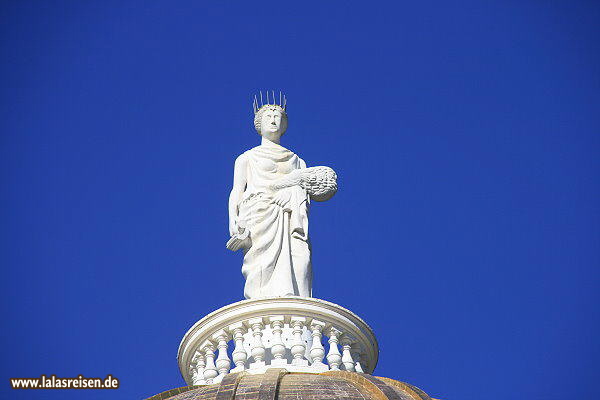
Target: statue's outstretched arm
(320,182)
(239,186)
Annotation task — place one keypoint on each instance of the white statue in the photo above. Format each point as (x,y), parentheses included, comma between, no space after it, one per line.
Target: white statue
(268,209)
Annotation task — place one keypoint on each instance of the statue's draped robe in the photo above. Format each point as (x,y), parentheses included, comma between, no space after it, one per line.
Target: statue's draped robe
(278,262)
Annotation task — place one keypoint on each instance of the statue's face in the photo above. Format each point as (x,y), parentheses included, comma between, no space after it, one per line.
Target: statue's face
(272,124)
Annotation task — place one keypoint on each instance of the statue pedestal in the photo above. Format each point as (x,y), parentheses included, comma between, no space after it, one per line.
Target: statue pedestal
(299,334)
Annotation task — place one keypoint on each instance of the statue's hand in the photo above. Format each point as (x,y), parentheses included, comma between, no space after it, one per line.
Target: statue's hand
(240,240)
(233,227)
(281,198)
(293,178)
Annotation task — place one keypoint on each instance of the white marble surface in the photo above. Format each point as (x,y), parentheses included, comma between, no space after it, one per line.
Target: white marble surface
(268,211)
(297,333)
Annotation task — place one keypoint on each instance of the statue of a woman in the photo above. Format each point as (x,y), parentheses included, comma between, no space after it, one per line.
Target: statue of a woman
(268,210)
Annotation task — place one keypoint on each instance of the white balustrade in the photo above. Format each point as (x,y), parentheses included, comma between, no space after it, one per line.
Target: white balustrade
(277,332)
(205,368)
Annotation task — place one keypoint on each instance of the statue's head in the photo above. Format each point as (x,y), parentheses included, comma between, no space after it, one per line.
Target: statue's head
(270,121)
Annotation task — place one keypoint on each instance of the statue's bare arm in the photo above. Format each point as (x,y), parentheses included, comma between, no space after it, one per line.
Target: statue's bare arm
(239,186)
(293,178)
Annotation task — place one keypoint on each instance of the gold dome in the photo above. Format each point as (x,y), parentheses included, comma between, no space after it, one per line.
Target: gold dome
(279,384)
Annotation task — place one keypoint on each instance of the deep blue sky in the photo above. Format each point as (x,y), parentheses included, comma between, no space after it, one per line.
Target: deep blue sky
(466,230)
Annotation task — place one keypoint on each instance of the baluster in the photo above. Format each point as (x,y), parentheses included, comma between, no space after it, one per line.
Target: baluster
(200,364)
(239,354)
(223,363)
(298,348)
(346,356)
(317,351)
(277,346)
(210,371)
(193,372)
(334,358)
(355,351)
(258,348)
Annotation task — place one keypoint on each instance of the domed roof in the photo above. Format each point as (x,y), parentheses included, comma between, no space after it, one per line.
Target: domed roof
(279,384)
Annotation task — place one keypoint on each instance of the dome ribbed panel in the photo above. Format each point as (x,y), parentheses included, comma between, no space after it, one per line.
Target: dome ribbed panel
(278,384)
